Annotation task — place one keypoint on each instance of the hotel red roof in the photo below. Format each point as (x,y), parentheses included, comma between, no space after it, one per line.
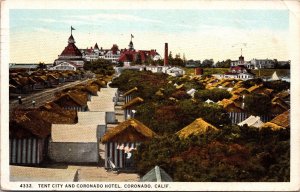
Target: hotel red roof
(71,49)
(127,55)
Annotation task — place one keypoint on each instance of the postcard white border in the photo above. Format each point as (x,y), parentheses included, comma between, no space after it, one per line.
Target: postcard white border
(294,51)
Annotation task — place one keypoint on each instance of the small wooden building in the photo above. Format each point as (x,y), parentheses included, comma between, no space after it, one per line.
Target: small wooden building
(281,102)
(28,137)
(53,79)
(128,94)
(234,109)
(130,106)
(29,132)
(122,139)
(197,127)
(281,121)
(278,108)
(74,100)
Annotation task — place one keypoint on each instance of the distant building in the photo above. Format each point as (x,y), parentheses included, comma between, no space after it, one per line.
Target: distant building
(91,54)
(115,55)
(237,72)
(70,55)
(261,64)
(241,61)
(138,56)
(64,66)
(283,63)
(192,63)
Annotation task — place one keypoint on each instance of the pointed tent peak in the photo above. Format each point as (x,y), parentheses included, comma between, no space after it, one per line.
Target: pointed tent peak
(275,77)
(156,174)
(197,127)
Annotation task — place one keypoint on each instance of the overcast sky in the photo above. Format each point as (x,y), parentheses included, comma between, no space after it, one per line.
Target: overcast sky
(41,34)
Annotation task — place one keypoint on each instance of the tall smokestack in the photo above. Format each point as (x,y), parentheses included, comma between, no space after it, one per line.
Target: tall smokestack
(166,55)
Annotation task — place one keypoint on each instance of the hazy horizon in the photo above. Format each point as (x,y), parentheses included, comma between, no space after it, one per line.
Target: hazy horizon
(41,35)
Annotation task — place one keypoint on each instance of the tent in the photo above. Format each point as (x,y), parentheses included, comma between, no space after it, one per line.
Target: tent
(156,174)
(275,77)
(197,127)
(122,139)
(74,143)
(253,121)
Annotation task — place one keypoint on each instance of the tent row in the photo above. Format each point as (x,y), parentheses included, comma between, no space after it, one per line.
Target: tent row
(79,143)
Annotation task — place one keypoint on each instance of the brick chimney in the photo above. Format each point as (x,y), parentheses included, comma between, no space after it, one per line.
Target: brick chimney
(166,55)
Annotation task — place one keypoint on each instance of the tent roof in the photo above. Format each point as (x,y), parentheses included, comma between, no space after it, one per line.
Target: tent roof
(281,121)
(130,130)
(133,102)
(91,118)
(252,121)
(198,127)
(101,105)
(74,133)
(156,174)
(130,91)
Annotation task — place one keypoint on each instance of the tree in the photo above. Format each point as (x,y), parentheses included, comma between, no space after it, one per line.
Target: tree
(207,63)
(275,63)
(277,86)
(99,66)
(41,65)
(215,94)
(257,104)
(183,58)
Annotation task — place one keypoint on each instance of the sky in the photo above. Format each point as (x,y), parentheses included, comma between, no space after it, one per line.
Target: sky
(40,35)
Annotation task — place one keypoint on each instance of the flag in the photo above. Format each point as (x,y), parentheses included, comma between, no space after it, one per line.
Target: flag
(72,28)
(132,36)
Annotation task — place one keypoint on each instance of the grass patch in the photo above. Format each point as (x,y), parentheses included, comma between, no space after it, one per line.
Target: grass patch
(206,71)
(269,72)
(261,72)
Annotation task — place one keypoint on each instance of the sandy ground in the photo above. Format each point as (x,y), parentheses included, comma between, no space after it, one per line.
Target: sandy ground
(69,174)
(21,173)
(100,174)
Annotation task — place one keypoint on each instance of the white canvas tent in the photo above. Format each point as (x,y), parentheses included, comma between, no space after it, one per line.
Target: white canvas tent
(103,105)
(74,143)
(253,121)
(209,101)
(275,77)
(93,118)
(191,92)
(109,92)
